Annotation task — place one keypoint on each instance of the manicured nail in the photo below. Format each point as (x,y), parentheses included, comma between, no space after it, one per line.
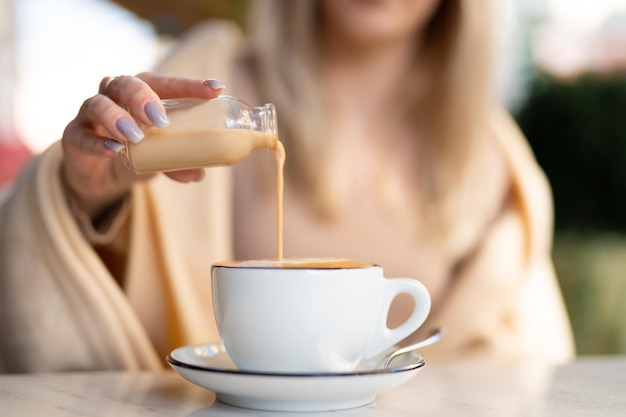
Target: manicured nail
(214,84)
(200,177)
(113,145)
(129,128)
(156,114)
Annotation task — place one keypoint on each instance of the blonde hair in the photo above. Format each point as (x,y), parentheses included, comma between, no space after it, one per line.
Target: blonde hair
(453,97)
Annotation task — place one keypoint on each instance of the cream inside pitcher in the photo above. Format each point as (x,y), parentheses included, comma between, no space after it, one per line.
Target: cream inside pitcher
(203,133)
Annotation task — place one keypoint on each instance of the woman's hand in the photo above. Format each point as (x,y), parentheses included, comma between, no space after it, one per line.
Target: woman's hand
(92,168)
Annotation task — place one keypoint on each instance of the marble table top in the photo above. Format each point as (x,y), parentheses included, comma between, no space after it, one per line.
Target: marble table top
(594,386)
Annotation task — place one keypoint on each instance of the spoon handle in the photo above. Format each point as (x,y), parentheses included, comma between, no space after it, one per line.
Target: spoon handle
(434,336)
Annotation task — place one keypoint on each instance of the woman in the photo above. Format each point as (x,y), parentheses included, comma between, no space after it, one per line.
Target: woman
(396,154)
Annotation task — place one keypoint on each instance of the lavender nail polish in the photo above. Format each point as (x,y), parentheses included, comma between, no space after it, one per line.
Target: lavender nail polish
(129,128)
(156,114)
(113,145)
(214,84)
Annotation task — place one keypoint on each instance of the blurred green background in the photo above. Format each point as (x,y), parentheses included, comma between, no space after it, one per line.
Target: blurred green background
(577,129)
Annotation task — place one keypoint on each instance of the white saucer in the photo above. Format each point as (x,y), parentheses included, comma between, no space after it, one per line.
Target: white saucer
(210,367)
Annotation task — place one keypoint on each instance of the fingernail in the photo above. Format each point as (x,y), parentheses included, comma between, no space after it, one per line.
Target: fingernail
(113,145)
(214,84)
(156,114)
(200,177)
(129,128)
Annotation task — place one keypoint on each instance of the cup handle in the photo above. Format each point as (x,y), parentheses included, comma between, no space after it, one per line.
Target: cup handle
(384,336)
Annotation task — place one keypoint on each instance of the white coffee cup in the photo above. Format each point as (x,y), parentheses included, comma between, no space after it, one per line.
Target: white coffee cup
(323,317)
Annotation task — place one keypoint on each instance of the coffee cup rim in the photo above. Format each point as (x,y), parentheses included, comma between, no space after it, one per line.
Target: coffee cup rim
(275,265)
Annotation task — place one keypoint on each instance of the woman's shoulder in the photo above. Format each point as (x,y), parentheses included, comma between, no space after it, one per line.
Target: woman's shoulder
(529,188)
(511,141)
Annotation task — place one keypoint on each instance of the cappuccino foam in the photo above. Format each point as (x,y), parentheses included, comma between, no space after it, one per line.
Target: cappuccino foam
(300,263)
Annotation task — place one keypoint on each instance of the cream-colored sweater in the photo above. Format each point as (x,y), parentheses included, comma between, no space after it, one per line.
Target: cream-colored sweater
(61,309)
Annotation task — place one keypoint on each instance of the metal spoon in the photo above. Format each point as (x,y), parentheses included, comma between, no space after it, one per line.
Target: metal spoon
(434,336)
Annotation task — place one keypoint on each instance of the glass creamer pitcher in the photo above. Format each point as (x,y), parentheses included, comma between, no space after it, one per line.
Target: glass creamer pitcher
(203,133)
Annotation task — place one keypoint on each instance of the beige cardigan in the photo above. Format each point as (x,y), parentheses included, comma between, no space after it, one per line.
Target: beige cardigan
(61,309)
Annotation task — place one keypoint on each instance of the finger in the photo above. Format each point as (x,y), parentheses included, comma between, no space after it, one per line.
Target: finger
(167,86)
(100,110)
(86,141)
(138,97)
(188,175)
